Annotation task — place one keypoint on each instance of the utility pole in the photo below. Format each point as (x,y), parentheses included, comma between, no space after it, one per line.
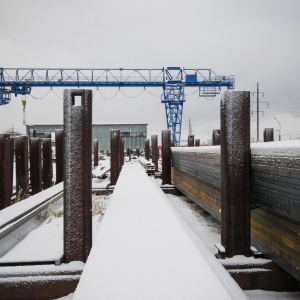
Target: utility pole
(257,110)
(279,128)
(190,127)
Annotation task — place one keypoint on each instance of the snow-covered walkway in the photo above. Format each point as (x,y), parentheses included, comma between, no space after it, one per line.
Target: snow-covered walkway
(145,251)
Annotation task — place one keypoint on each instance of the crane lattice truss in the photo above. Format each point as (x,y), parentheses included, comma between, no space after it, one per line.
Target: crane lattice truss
(173,80)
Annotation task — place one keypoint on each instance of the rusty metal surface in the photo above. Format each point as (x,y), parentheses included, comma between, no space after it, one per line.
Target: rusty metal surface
(235,172)
(191,141)
(155,153)
(268,134)
(216,137)
(166,156)
(138,151)
(32,133)
(204,166)
(5,171)
(95,149)
(275,182)
(121,153)
(77,174)
(197,142)
(59,155)
(115,145)
(47,134)
(35,165)
(47,171)
(22,178)
(12,160)
(147,149)
(43,287)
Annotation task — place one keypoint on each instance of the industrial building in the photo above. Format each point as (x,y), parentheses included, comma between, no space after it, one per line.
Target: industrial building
(134,135)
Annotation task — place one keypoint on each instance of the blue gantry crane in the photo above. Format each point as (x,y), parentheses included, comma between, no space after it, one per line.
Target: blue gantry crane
(173,80)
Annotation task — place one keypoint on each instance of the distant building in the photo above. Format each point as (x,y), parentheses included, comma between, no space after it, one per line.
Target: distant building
(134,135)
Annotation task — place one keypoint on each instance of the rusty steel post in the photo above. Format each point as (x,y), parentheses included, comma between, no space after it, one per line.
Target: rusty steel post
(22,178)
(269,135)
(147,149)
(216,137)
(5,171)
(114,155)
(47,134)
(59,155)
(47,163)
(166,156)
(77,174)
(96,160)
(235,171)
(191,142)
(121,153)
(12,156)
(36,165)
(197,142)
(138,151)
(155,153)
(32,133)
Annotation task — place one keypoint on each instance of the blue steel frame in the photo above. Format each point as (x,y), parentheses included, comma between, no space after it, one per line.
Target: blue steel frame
(173,80)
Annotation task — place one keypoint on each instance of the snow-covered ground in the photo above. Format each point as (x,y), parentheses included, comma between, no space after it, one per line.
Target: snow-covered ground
(143,250)
(47,240)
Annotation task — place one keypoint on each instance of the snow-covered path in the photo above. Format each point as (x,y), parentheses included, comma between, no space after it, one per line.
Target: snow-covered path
(144,251)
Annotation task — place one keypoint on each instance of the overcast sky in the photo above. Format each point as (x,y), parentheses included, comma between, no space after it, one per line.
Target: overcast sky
(257,41)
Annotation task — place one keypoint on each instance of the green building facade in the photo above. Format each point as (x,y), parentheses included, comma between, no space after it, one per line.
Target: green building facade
(134,135)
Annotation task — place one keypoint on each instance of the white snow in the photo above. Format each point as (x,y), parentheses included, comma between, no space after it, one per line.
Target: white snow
(281,149)
(22,207)
(143,251)
(204,149)
(209,233)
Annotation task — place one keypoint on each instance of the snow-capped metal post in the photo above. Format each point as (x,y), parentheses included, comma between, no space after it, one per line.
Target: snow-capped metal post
(47,134)
(197,142)
(147,149)
(138,151)
(32,133)
(95,145)
(235,171)
(128,152)
(5,171)
(36,165)
(269,135)
(22,178)
(216,139)
(166,156)
(155,154)
(191,141)
(77,174)
(115,141)
(12,156)
(121,152)
(59,155)
(47,163)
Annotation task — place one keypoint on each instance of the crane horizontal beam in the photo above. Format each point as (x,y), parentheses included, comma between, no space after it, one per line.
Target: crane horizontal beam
(76,77)
(173,80)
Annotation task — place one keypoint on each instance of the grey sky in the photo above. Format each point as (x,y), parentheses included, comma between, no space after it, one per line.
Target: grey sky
(257,41)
